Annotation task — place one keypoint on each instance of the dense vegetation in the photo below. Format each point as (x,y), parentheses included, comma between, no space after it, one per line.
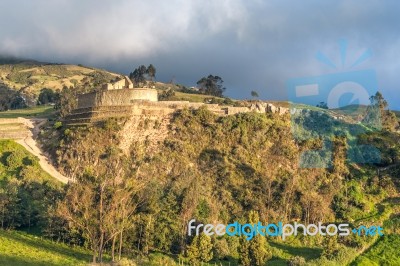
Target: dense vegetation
(27,194)
(214,169)
(220,169)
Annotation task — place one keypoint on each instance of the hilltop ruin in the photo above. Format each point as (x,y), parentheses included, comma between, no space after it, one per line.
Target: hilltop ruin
(121,99)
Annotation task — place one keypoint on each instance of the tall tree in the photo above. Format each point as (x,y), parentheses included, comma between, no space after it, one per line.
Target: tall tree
(388,119)
(138,75)
(151,72)
(254,251)
(66,101)
(101,205)
(254,94)
(200,249)
(211,85)
(47,96)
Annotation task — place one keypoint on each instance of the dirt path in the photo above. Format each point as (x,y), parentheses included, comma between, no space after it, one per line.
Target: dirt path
(32,146)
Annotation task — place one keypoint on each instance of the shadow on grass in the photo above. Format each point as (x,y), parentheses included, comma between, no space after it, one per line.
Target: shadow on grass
(14,261)
(47,245)
(305,252)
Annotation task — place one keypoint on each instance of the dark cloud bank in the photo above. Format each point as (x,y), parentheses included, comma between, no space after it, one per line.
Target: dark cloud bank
(253,45)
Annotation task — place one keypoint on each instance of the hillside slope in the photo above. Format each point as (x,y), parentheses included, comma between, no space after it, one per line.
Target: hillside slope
(26,78)
(17,248)
(33,76)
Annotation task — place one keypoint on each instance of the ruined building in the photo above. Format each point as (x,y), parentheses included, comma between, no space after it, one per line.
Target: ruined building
(121,99)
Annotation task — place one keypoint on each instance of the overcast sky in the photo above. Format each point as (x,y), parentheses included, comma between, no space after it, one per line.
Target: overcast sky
(252,45)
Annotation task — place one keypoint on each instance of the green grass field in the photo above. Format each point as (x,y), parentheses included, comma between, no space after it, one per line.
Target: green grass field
(37,112)
(18,248)
(181,96)
(386,251)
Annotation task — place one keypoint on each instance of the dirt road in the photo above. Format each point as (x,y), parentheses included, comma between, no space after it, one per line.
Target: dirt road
(32,146)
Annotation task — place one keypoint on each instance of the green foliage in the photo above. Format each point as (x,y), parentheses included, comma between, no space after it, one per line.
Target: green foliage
(388,118)
(216,168)
(255,251)
(385,252)
(66,102)
(11,99)
(57,125)
(221,249)
(151,72)
(140,74)
(254,94)
(58,70)
(203,210)
(47,96)
(322,105)
(297,261)
(26,191)
(19,77)
(167,95)
(211,85)
(330,247)
(200,250)
(17,248)
(98,78)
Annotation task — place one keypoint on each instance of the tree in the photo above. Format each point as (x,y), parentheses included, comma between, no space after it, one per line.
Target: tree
(47,96)
(66,101)
(138,75)
(323,105)
(378,108)
(151,72)
(205,248)
(254,94)
(200,249)
(221,249)
(18,102)
(211,85)
(254,251)
(101,207)
(330,247)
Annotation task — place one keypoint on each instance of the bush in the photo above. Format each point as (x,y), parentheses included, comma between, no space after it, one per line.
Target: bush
(221,249)
(57,125)
(47,96)
(126,262)
(297,261)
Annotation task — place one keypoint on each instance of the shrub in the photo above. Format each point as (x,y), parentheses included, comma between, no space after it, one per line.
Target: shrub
(297,261)
(57,125)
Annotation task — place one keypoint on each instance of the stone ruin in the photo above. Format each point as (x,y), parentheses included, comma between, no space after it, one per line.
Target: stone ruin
(120,99)
(124,83)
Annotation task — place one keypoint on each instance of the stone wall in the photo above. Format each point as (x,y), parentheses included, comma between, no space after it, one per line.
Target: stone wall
(116,97)
(87,100)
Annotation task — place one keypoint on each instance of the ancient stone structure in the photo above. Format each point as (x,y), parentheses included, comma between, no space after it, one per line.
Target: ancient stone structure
(120,99)
(116,97)
(124,83)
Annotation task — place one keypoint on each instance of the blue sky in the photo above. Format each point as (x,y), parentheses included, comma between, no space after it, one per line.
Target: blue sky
(252,45)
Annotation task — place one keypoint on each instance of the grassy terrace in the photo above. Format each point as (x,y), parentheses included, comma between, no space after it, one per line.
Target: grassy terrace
(32,112)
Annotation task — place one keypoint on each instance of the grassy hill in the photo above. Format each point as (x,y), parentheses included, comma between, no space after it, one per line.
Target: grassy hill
(32,76)
(385,252)
(19,248)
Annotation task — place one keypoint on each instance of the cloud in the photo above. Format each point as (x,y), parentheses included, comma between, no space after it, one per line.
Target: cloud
(253,45)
